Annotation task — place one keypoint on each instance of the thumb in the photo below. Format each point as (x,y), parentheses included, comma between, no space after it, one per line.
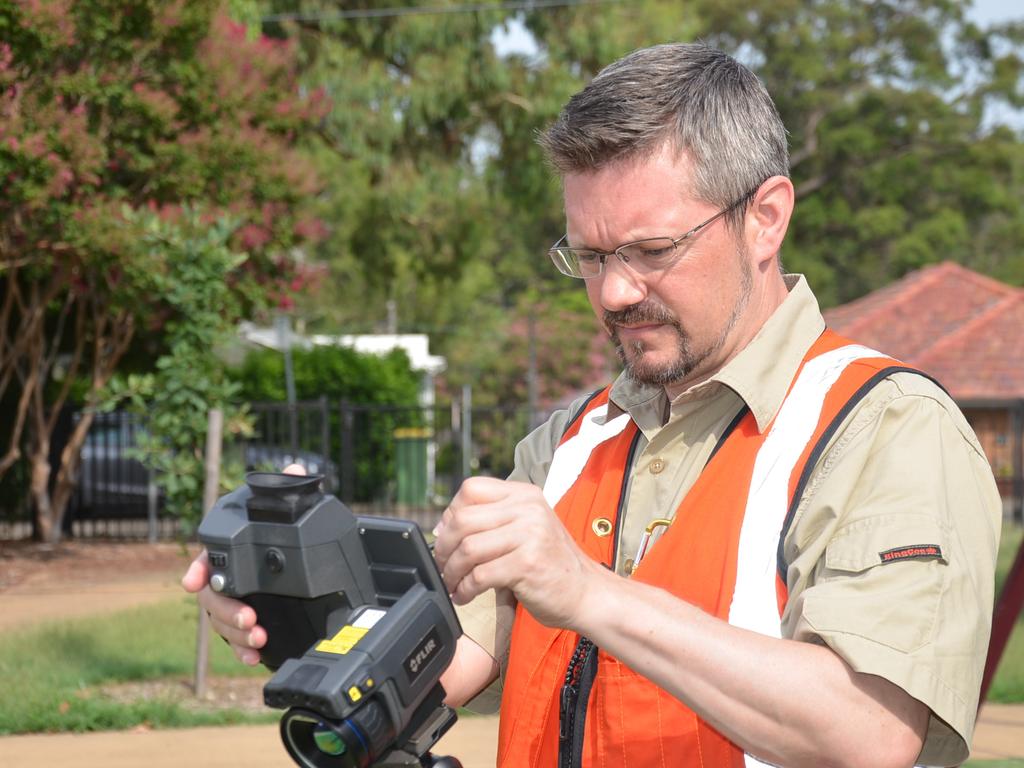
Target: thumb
(484,490)
(198,574)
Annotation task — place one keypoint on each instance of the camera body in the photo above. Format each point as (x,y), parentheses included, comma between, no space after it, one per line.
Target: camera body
(359,623)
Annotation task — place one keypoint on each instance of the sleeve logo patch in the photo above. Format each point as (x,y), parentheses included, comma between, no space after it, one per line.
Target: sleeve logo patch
(913,552)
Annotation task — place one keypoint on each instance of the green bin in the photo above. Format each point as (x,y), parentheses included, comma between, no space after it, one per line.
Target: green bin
(411,465)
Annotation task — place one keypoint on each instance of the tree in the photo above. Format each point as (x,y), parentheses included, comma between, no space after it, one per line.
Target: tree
(189,378)
(107,106)
(894,161)
(440,202)
(437,196)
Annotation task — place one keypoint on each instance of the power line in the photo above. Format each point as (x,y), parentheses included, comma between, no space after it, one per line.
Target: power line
(379,13)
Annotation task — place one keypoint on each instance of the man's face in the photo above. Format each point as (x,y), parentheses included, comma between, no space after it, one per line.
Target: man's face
(679,326)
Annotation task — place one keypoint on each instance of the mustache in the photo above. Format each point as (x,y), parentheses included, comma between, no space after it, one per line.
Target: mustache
(636,314)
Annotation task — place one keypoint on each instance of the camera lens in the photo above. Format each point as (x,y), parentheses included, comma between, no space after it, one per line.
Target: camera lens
(327,741)
(355,742)
(314,742)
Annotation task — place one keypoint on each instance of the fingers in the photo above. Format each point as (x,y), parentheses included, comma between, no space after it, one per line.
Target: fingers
(467,521)
(231,619)
(480,490)
(484,503)
(235,622)
(504,571)
(471,552)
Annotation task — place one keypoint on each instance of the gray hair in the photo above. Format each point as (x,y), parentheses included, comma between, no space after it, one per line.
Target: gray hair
(702,100)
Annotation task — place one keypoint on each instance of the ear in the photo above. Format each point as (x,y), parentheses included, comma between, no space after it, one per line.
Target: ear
(768,218)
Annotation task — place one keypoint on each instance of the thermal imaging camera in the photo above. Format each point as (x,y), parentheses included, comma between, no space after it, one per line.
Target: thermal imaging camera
(359,623)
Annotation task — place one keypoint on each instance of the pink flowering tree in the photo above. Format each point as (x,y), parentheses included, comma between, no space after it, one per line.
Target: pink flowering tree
(109,109)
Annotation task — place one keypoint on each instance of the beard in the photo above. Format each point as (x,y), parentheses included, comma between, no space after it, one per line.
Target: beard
(688,355)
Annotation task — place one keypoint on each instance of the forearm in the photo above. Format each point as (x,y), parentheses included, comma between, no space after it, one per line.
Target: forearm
(472,670)
(787,702)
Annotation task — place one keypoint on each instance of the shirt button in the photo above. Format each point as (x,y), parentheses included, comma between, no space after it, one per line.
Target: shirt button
(656,466)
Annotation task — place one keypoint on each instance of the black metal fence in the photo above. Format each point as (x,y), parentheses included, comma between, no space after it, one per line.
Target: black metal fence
(379,459)
(406,461)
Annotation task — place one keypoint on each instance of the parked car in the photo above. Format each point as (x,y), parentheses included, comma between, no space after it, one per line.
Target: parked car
(112,482)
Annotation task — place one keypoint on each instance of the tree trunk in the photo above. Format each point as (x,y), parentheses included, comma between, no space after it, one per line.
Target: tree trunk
(67,473)
(48,523)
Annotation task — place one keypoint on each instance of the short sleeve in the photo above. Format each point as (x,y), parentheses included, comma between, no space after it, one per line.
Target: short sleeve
(894,550)
(534,452)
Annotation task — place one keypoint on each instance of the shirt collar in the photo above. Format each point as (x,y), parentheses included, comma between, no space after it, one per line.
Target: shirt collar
(760,374)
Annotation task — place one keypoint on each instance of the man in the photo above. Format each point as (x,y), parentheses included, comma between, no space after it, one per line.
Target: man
(763,542)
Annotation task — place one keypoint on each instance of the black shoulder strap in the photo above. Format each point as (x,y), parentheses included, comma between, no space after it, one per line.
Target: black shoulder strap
(728,431)
(819,449)
(581,409)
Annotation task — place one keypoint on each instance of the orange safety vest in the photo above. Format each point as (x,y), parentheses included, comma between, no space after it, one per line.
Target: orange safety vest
(722,553)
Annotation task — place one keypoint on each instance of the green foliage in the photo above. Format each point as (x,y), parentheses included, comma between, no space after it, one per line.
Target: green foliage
(145,103)
(436,191)
(339,373)
(343,375)
(440,202)
(190,379)
(49,671)
(108,108)
(894,164)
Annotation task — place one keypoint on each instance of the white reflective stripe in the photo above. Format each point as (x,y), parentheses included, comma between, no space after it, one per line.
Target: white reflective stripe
(572,456)
(754,601)
(752,762)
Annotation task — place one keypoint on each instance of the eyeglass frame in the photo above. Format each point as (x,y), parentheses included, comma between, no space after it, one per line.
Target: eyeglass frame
(617,252)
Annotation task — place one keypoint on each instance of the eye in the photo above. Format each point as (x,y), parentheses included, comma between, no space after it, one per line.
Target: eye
(587,257)
(661,252)
(654,251)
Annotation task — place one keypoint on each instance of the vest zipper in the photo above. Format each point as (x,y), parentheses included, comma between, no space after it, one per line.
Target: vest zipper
(582,669)
(572,715)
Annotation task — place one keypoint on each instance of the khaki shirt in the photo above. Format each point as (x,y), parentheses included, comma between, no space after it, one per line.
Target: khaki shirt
(904,469)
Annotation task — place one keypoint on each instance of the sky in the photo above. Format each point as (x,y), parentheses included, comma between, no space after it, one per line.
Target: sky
(987,11)
(516,40)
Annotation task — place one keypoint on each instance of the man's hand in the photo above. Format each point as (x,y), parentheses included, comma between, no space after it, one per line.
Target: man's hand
(497,533)
(231,619)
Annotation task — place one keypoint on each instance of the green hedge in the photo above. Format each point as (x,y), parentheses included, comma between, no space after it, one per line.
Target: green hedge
(384,387)
(335,372)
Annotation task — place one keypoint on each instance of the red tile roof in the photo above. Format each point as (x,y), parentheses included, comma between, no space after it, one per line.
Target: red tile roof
(965,329)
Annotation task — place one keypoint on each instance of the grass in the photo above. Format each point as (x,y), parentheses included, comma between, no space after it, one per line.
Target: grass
(1008,684)
(1011,763)
(50,672)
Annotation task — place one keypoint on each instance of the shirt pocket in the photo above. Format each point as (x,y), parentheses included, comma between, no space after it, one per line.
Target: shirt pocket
(882,579)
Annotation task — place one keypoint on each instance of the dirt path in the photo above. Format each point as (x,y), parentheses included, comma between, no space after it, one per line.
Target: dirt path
(37,584)
(472,739)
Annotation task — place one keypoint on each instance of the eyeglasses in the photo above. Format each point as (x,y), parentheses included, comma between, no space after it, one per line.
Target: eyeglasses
(644,256)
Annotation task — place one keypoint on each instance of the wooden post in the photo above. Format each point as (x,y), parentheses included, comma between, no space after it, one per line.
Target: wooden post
(214,429)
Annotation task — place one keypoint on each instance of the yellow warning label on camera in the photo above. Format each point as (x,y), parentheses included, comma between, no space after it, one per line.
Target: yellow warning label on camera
(344,641)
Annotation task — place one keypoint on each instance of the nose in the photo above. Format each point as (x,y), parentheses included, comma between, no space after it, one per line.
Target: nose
(618,285)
